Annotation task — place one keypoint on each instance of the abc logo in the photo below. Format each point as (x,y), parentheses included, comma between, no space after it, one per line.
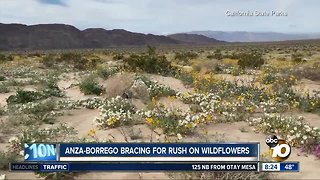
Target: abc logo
(279,149)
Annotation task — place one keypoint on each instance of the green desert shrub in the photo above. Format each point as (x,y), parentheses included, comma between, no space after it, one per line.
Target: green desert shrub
(216,55)
(117,56)
(2,58)
(78,61)
(5,58)
(186,77)
(10,57)
(2,78)
(268,78)
(6,158)
(4,88)
(88,62)
(250,60)
(185,57)
(106,72)
(297,57)
(49,60)
(52,89)
(90,86)
(70,56)
(25,97)
(150,63)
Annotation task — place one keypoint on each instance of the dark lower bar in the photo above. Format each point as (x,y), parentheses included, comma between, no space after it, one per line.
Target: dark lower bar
(77,166)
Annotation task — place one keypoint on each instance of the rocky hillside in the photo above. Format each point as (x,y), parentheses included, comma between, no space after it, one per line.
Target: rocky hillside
(193,38)
(61,36)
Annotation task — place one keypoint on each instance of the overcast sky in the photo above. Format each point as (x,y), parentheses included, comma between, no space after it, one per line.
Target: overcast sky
(166,16)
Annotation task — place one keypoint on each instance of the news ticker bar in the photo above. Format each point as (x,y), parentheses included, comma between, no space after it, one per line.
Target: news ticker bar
(77,166)
(143,152)
(213,166)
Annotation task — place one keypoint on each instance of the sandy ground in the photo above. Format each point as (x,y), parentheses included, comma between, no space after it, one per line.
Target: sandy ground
(3,98)
(306,85)
(242,79)
(171,82)
(173,104)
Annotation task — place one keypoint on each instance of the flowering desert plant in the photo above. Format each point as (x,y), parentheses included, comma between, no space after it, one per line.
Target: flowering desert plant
(153,87)
(31,134)
(294,129)
(90,103)
(316,150)
(116,111)
(175,121)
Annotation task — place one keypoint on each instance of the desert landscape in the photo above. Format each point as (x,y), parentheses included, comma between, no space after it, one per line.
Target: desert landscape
(221,93)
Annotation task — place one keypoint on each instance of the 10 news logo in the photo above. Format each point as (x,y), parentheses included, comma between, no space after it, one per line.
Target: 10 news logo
(278,148)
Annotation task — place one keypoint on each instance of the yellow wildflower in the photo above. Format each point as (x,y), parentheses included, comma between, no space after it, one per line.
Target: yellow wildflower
(209,117)
(251,109)
(189,126)
(111,121)
(149,120)
(92,132)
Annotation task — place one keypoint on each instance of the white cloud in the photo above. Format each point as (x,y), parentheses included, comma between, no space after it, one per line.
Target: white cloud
(164,15)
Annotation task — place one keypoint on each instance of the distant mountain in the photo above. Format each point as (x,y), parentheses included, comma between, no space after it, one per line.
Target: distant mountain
(119,37)
(194,38)
(61,36)
(242,36)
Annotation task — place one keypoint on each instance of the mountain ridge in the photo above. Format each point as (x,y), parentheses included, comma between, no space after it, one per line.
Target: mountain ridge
(63,36)
(194,38)
(247,36)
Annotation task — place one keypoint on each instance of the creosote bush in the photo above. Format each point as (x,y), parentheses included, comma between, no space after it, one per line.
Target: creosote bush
(2,78)
(185,57)
(76,60)
(217,55)
(106,72)
(117,56)
(90,86)
(48,60)
(296,57)
(5,58)
(250,60)
(25,97)
(150,63)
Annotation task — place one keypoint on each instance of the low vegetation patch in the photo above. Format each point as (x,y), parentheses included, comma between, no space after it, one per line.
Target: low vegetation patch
(115,112)
(90,86)
(6,158)
(185,57)
(107,72)
(150,63)
(154,88)
(25,97)
(293,129)
(250,60)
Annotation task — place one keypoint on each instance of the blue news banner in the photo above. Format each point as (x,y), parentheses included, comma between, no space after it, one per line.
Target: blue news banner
(140,157)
